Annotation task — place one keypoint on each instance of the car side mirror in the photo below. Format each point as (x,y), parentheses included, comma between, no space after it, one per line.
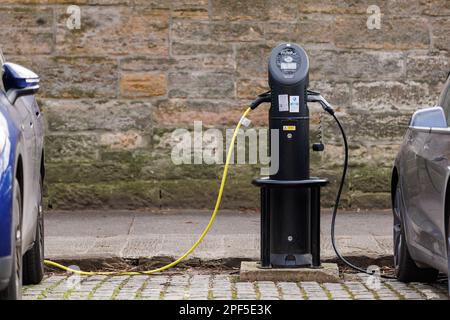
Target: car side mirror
(19,81)
(429,118)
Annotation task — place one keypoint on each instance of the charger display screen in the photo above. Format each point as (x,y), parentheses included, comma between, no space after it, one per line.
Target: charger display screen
(288,66)
(288,60)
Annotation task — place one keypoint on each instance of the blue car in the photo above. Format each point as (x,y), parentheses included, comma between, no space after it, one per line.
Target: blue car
(21,180)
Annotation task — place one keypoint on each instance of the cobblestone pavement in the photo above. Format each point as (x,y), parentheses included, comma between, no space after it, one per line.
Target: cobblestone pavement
(222,287)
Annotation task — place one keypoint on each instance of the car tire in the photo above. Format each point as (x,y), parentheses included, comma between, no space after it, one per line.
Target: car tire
(406,269)
(14,289)
(33,260)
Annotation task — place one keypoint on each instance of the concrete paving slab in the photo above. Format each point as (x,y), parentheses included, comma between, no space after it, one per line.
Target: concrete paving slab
(169,233)
(98,224)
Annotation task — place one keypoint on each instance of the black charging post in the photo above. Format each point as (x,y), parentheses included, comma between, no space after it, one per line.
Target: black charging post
(290,198)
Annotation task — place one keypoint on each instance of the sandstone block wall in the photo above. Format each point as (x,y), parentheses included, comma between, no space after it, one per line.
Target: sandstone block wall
(115,89)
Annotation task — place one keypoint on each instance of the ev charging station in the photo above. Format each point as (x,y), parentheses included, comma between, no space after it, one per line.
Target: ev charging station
(290,198)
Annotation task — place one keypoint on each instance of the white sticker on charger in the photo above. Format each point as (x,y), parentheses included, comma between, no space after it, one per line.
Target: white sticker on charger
(246,122)
(294,104)
(283,102)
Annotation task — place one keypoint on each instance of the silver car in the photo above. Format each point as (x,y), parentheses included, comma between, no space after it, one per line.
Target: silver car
(420,190)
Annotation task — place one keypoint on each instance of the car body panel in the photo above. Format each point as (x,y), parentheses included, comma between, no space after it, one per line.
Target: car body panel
(423,168)
(24,127)
(433,185)
(5,271)
(7,169)
(32,177)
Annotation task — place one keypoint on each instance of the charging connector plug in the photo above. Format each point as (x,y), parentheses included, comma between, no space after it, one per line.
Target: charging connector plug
(313,96)
(264,97)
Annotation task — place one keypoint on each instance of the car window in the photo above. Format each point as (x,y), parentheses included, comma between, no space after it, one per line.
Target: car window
(444,100)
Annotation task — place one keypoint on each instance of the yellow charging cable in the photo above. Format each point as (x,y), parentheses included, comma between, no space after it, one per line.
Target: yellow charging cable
(208,227)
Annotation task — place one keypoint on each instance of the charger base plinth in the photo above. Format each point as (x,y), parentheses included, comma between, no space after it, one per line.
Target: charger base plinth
(326,273)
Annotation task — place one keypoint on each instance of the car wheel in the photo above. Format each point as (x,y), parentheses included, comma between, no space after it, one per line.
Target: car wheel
(406,269)
(14,289)
(33,261)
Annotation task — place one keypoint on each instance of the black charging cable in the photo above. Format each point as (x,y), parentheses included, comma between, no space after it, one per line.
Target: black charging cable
(313,96)
(316,97)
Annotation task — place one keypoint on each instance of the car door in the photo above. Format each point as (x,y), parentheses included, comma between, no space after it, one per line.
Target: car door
(411,162)
(30,209)
(432,180)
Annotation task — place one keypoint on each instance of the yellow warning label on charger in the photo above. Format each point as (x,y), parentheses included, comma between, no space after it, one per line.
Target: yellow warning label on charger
(289,128)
